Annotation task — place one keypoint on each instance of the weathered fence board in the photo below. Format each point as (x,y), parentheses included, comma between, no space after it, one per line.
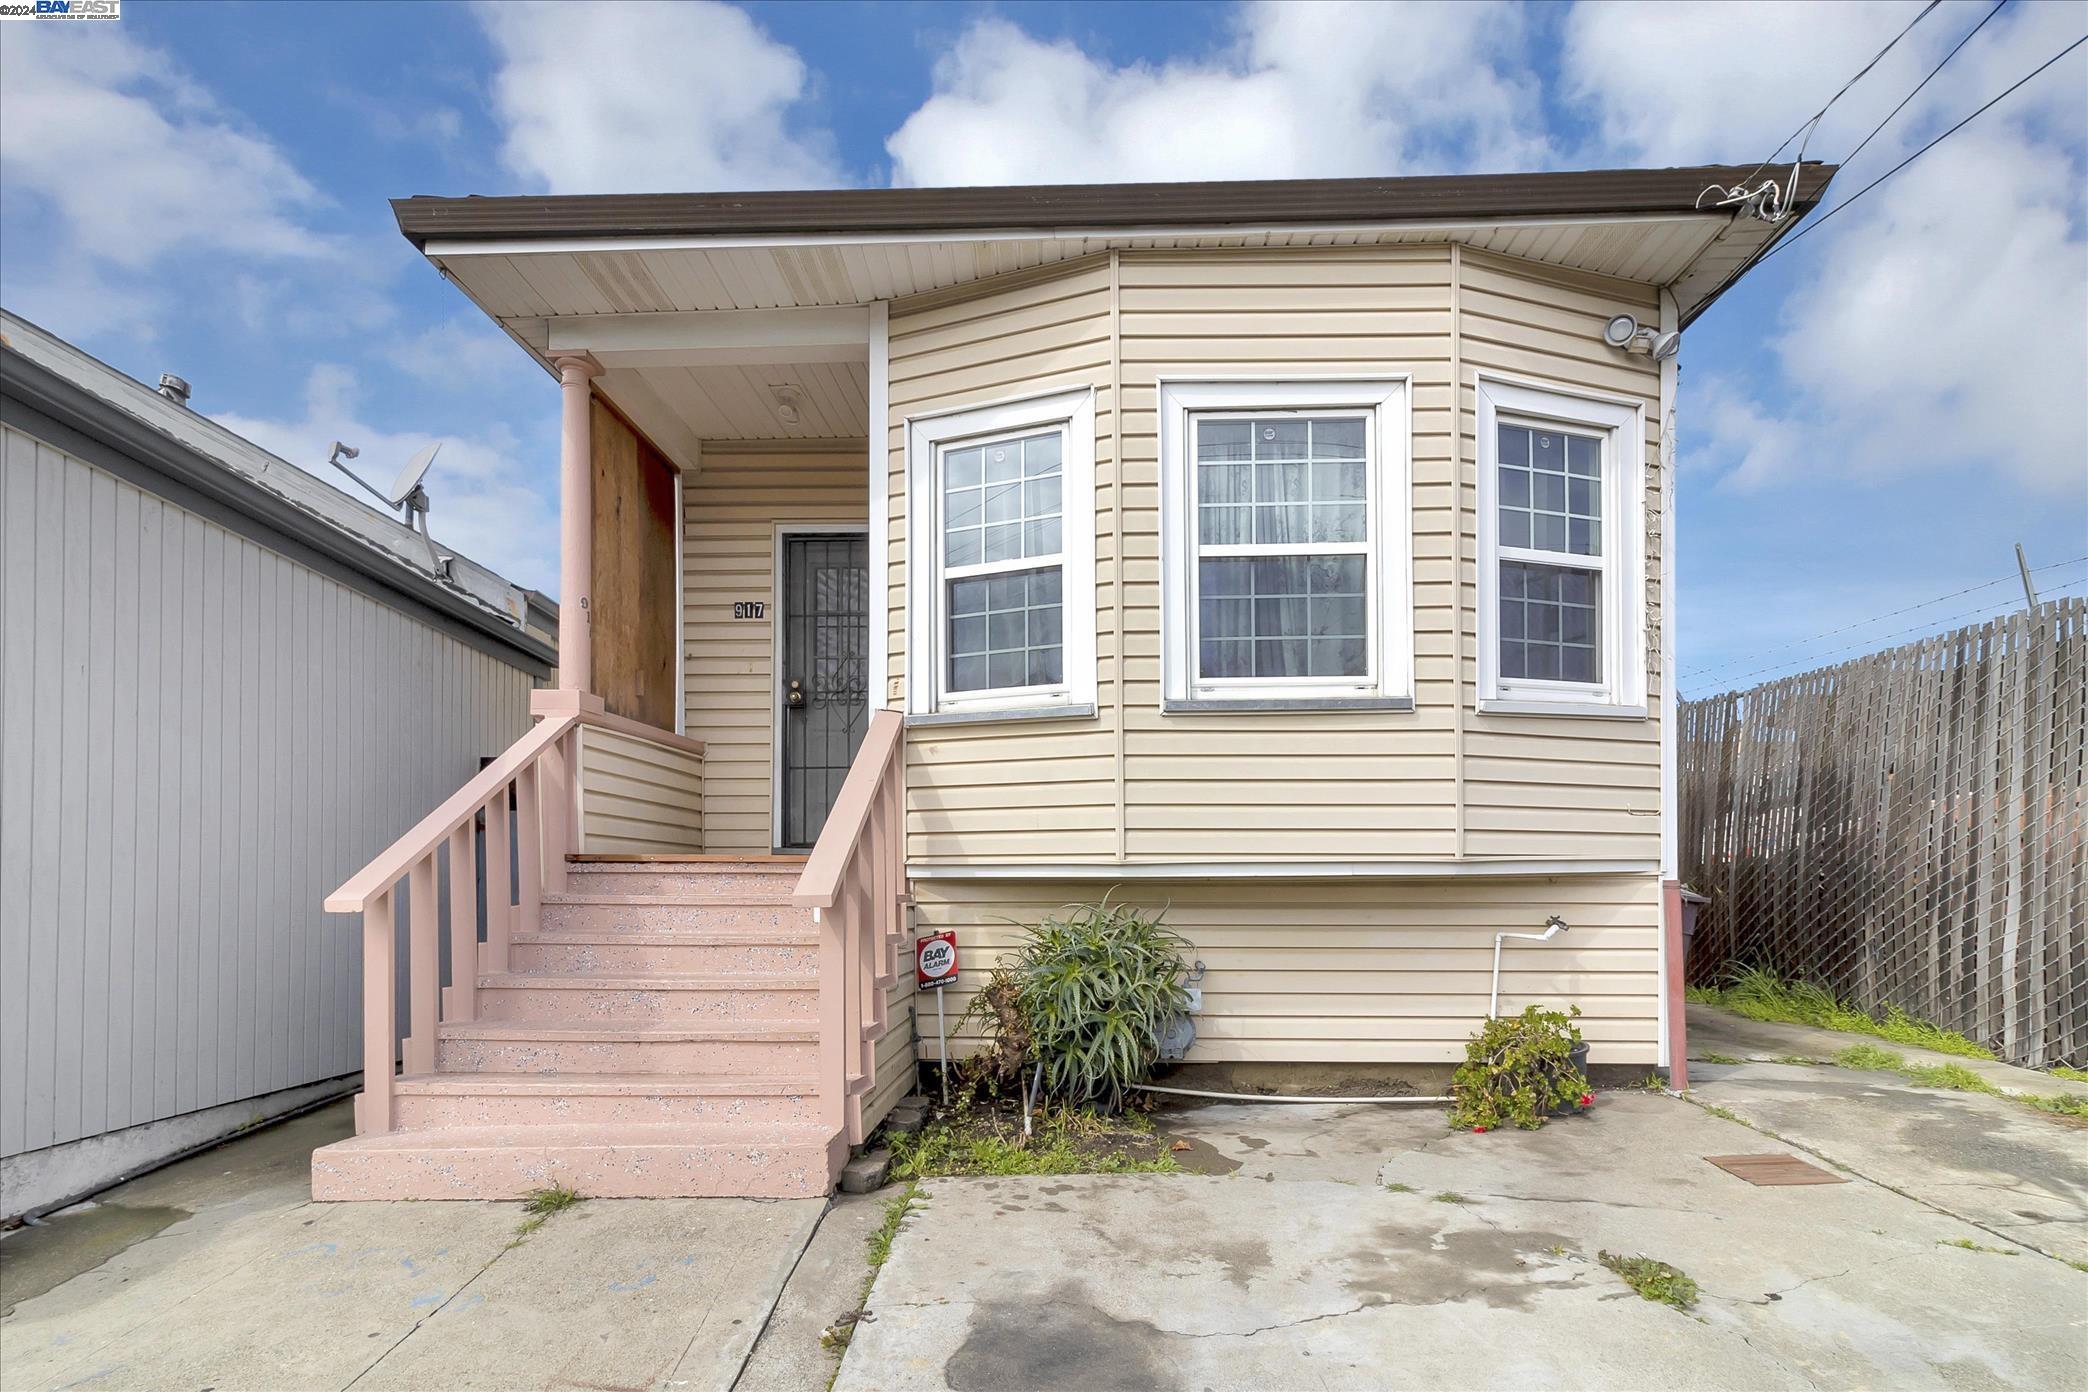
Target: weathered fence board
(1907,829)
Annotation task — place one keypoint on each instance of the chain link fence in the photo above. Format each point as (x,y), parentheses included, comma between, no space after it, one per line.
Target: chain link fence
(1907,829)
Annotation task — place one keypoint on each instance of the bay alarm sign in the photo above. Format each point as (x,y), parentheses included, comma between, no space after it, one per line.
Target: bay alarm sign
(936,963)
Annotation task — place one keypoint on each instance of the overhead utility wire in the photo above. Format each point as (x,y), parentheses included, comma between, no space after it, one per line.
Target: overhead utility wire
(1851,199)
(1850,158)
(1885,642)
(1730,663)
(1806,127)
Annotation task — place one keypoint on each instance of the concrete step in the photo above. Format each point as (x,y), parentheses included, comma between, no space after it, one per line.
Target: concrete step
(559,1045)
(431,1100)
(718,1159)
(650,953)
(740,998)
(750,880)
(575,912)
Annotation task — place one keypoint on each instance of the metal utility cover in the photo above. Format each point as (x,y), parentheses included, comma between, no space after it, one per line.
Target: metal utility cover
(1774,1169)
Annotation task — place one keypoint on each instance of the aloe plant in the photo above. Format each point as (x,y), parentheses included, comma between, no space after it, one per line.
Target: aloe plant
(1097,987)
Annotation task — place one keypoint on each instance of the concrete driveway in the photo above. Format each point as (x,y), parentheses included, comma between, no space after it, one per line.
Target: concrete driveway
(219,1272)
(1295,1262)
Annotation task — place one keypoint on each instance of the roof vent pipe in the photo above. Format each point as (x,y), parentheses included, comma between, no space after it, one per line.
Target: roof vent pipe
(174,389)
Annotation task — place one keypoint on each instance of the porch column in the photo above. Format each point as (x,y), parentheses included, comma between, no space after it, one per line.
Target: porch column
(576,523)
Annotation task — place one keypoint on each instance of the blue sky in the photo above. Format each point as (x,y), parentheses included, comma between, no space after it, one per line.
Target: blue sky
(1869,422)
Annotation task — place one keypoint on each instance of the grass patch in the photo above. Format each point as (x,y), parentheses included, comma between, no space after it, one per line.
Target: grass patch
(1653,1280)
(1955,1077)
(540,1204)
(877,1249)
(1970,1246)
(2080,1266)
(983,1139)
(1798,1060)
(1451,1196)
(1718,1058)
(1724,1114)
(2072,1075)
(1761,995)
(1397,1188)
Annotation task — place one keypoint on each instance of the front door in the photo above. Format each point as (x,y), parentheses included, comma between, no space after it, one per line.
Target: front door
(824,698)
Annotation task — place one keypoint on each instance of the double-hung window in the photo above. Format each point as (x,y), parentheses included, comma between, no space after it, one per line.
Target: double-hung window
(1285,521)
(1001,559)
(1561,581)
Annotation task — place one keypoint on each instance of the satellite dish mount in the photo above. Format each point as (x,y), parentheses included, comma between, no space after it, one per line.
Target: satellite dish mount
(407,493)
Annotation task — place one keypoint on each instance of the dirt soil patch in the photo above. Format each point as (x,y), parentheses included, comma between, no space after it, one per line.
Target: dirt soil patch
(985,1137)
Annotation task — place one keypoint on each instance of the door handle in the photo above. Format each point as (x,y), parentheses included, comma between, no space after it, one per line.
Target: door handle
(794,698)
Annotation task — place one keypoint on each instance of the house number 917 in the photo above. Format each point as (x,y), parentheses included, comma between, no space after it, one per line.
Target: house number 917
(749,609)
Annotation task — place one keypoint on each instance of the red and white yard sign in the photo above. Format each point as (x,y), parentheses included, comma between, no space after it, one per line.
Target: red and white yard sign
(936,961)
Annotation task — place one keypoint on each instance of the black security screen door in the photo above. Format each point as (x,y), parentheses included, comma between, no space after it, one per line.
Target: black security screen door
(825,699)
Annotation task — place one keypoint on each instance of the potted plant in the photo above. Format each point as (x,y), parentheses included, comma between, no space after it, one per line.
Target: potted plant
(1520,1070)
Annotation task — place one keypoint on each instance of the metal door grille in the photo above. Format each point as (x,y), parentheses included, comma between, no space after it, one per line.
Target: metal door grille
(825,633)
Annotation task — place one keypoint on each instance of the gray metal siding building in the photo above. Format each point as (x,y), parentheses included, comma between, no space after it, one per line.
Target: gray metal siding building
(224,686)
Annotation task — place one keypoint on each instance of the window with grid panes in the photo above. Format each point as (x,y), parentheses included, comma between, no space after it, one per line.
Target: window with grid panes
(1003,560)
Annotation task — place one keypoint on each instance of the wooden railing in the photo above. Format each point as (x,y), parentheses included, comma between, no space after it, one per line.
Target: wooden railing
(855,884)
(535,784)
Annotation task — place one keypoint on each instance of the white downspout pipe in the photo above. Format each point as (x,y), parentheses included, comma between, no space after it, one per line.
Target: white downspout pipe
(1553,926)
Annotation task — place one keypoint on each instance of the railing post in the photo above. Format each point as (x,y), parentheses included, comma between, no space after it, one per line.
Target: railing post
(423,965)
(500,883)
(373,1110)
(462,1000)
(529,858)
(833,1020)
(554,810)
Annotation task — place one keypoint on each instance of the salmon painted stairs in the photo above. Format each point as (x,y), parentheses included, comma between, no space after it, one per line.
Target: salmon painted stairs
(657,1034)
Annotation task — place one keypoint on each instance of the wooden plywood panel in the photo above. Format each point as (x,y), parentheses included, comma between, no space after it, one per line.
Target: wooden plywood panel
(633,581)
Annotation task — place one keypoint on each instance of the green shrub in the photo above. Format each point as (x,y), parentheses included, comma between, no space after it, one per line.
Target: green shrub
(1087,996)
(1518,1069)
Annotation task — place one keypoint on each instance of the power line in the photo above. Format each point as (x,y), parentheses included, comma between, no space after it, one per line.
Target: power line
(1730,663)
(1885,641)
(1805,128)
(1851,200)
(1850,158)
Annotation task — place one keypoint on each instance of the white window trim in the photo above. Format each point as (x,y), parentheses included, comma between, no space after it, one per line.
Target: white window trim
(1622,424)
(926,620)
(1389,551)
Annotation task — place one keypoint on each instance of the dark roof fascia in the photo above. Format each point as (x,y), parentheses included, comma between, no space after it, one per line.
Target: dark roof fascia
(75,408)
(1269,202)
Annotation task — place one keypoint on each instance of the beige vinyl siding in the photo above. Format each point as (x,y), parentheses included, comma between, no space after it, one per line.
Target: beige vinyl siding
(1437,783)
(895,1047)
(1559,787)
(1359,972)
(731,508)
(1318,786)
(1016,790)
(638,797)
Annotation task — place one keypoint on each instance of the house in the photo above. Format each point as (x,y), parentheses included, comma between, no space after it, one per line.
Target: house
(224,684)
(1295,554)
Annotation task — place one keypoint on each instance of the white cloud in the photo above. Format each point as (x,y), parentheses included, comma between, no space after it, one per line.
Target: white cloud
(1300,90)
(458,355)
(135,158)
(481,504)
(649,98)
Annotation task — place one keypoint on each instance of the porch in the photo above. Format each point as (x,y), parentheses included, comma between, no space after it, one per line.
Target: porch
(653,948)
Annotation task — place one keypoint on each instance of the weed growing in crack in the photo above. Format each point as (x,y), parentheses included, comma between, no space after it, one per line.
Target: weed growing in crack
(1970,1246)
(540,1204)
(1718,1058)
(1451,1196)
(1798,1061)
(1653,1280)
(1761,995)
(2072,1075)
(1397,1188)
(1955,1077)
(877,1250)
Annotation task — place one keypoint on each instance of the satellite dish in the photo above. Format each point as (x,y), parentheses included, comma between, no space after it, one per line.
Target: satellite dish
(410,477)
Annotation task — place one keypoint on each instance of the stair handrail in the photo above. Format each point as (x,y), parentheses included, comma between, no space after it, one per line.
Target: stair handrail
(855,883)
(395,860)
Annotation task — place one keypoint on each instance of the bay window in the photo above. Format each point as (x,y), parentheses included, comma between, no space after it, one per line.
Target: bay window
(1285,521)
(1561,579)
(1001,559)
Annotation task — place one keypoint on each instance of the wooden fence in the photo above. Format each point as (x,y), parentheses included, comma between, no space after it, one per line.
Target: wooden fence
(1907,829)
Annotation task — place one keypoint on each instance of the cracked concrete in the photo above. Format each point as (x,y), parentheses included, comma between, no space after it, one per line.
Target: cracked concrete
(251,1285)
(1303,1267)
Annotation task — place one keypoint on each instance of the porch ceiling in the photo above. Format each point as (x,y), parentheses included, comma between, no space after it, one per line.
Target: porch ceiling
(678,407)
